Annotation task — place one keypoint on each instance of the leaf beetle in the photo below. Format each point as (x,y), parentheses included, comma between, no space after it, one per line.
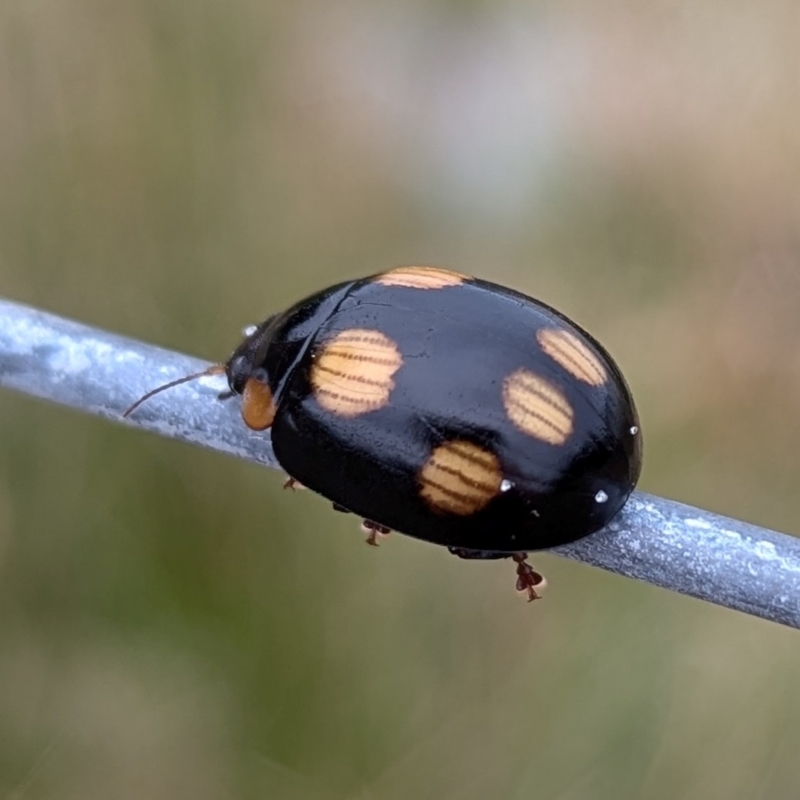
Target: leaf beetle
(444,407)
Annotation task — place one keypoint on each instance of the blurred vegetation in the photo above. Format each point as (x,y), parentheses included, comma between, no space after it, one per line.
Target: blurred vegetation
(173,624)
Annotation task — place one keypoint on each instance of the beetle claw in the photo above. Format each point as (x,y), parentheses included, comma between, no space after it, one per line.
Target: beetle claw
(529,581)
(374,532)
(291,483)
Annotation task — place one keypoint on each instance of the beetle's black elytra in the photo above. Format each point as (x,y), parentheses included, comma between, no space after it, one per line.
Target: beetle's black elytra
(447,408)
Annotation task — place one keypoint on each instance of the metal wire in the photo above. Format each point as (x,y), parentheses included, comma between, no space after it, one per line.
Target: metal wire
(668,544)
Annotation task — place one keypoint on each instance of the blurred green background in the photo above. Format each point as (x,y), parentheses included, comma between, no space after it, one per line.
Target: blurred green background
(172,623)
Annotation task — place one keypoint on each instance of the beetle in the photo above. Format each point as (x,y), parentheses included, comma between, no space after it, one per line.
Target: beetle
(444,407)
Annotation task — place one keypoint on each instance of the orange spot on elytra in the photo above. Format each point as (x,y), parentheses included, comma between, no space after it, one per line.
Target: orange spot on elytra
(460,478)
(573,354)
(421,277)
(537,407)
(353,372)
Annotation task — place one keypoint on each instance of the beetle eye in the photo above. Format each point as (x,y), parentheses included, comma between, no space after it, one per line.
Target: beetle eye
(237,371)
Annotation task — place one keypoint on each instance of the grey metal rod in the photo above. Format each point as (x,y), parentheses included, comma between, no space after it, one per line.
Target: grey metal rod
(101,373)
(668,544)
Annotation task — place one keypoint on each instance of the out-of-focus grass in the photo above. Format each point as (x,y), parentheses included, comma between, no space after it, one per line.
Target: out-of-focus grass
(173,624)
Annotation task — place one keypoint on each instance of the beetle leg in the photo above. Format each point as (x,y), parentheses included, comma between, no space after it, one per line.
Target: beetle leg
(529,581)
(374,532)
(291,483)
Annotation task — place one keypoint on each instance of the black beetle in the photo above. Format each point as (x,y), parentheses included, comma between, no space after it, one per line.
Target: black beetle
(444,407)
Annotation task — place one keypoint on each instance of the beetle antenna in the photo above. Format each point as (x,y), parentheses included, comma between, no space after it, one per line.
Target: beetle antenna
(214,369)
